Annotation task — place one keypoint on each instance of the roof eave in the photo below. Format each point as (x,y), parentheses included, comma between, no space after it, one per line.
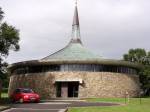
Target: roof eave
(103,62)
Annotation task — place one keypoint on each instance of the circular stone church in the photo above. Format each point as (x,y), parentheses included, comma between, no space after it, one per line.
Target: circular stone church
(74,71)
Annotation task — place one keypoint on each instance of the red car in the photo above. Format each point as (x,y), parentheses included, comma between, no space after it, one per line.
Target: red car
(24,95)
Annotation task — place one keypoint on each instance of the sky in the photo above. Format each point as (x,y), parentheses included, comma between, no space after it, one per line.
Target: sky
(109,28)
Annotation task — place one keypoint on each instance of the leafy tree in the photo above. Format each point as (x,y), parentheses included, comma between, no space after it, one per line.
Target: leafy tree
(145,79)
(9,39)
(1,14)
(141,56)
(135,55)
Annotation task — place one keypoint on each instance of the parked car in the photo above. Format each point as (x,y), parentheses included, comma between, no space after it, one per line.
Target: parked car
(24,95)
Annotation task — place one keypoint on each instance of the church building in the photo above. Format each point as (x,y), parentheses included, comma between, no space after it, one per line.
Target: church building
(75,72)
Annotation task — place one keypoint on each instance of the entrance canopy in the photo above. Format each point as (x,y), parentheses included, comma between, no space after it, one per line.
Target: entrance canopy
(69,80)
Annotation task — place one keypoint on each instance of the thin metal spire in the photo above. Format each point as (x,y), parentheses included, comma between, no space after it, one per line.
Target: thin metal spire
(76,2)
(76,18)
(76,27)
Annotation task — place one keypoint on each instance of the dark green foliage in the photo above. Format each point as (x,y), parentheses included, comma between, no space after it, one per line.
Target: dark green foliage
(135,55)
(145,79)
(1,14)
(9,38)
(142,57)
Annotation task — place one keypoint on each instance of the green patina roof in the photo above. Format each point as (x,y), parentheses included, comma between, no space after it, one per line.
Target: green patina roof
(72,52)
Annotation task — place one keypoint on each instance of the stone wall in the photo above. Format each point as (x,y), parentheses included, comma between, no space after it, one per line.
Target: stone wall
(95,84)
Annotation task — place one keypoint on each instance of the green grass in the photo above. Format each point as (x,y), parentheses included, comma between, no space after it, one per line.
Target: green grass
(4,101)
(4,98)
(4,95)
(132,106)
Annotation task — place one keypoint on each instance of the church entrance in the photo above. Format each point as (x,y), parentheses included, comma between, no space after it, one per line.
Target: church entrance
(67,89)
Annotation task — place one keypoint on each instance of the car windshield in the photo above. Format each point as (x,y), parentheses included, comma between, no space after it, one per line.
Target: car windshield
(26,90)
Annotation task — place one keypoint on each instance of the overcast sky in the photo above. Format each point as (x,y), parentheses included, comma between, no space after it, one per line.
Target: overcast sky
(108,27)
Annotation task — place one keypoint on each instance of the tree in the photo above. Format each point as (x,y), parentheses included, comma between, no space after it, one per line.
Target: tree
(1,14)
(141,56)
(135,55)
(9,40)
(145,79)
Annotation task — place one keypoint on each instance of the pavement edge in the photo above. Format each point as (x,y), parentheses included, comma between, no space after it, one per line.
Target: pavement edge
(4,109)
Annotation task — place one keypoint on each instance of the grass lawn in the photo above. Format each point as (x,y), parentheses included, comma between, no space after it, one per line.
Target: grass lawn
(4,101)
(4,95)
(133,105)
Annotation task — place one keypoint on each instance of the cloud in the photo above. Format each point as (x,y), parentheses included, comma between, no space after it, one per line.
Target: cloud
(108,27)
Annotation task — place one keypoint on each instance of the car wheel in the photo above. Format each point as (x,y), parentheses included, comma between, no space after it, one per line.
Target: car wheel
(21,100)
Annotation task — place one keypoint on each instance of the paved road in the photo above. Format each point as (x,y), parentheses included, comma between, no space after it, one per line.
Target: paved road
(52,106)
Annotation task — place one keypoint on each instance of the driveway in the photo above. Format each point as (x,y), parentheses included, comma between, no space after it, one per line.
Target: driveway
(53,106)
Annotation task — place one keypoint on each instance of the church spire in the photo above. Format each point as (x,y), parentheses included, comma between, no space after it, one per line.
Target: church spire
(75,18)
(75,38)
